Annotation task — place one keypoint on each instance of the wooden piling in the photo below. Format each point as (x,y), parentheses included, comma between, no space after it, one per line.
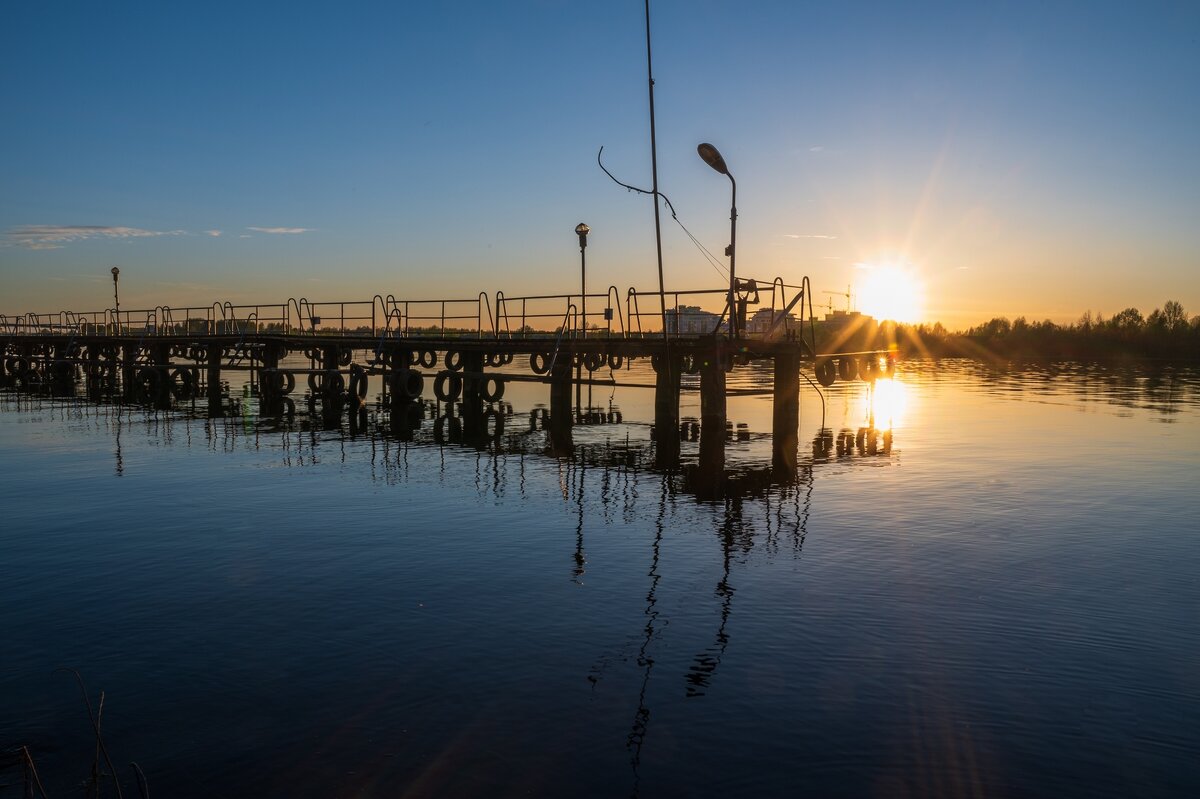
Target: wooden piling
(269,401)
(668,373)
(474,428)
(713,419)
(129,354)
(561,442)
(160,353)
(214,380)
(785,417)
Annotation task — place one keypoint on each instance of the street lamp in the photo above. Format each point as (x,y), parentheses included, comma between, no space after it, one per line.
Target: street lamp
(582,231)
(712,157)
(116,296)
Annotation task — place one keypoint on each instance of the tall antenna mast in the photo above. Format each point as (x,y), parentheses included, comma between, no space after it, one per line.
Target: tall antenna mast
(662,288)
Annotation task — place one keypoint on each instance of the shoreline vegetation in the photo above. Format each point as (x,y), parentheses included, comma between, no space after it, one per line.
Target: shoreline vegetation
(1166,333)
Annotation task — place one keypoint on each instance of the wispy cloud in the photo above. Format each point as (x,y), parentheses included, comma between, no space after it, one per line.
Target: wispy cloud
(280,230)
(807,236)
(213,233)
(51,237)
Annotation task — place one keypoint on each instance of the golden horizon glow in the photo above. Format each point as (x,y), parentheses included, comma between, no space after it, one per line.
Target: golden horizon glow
(891,291)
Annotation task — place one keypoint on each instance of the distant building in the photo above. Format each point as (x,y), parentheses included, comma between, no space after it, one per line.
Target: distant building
(691,320)
(847,331)
(763,318)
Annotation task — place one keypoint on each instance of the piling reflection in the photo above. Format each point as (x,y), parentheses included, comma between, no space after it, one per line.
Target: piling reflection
(711,459)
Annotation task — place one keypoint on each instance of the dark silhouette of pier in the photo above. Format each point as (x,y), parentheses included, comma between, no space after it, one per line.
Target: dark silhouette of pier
(462,351)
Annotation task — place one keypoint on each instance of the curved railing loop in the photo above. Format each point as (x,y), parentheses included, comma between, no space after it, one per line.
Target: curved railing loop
(294,304)
(632,312)
(484,302)
(614,305)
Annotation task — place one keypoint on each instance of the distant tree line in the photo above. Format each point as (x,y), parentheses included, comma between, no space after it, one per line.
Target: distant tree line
(1166,333)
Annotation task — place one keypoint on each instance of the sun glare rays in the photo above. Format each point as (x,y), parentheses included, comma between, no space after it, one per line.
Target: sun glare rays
(890,291)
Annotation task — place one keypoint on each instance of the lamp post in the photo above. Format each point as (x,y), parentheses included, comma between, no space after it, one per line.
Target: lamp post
(582,231)
(117,297)
(712,157)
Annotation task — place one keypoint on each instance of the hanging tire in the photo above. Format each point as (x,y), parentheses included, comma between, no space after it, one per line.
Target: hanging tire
(492,389)
(358,381)
(847,369)
(407,384)
(826,373)
(149,386)
(539,362)
(332,382)
(182,383)
(447,387)
(61,370)
(454,360)
(593,361)
(344,357)
(615,361)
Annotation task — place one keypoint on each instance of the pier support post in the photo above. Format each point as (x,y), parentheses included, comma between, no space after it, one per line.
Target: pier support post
(474,430)
(713,416)
(91,371)
(161,354)
(128,371)
(785,416)
(332,397)
(214,381)
(268,397)
(561,442)
(668,371)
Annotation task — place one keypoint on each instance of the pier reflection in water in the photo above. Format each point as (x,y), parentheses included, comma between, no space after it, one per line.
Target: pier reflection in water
(966,571)
(607,476)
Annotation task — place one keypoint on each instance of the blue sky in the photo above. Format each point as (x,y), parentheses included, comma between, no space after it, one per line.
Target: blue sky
(1036,159)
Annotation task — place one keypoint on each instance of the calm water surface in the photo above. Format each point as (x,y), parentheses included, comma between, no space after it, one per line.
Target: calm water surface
(1004,603)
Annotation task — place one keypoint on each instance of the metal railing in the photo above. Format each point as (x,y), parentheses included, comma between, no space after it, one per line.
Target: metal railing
(689,313)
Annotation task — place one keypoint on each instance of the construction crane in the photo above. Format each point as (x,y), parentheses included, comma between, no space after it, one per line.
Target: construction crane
(848,295)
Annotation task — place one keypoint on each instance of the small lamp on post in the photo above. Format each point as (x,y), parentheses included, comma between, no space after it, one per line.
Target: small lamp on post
(582,231)
(116,296)
(712,157)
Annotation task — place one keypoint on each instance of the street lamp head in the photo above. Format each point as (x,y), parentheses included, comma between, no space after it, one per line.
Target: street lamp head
(582,231)
(115,272)
(712,157)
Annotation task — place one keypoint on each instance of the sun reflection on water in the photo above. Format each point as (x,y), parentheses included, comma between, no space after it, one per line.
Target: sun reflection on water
(885,404)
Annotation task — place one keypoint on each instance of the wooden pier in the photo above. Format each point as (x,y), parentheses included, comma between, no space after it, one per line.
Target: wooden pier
(460,351)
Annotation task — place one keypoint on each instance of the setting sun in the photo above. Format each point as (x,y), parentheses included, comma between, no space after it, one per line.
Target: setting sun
(890,291)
